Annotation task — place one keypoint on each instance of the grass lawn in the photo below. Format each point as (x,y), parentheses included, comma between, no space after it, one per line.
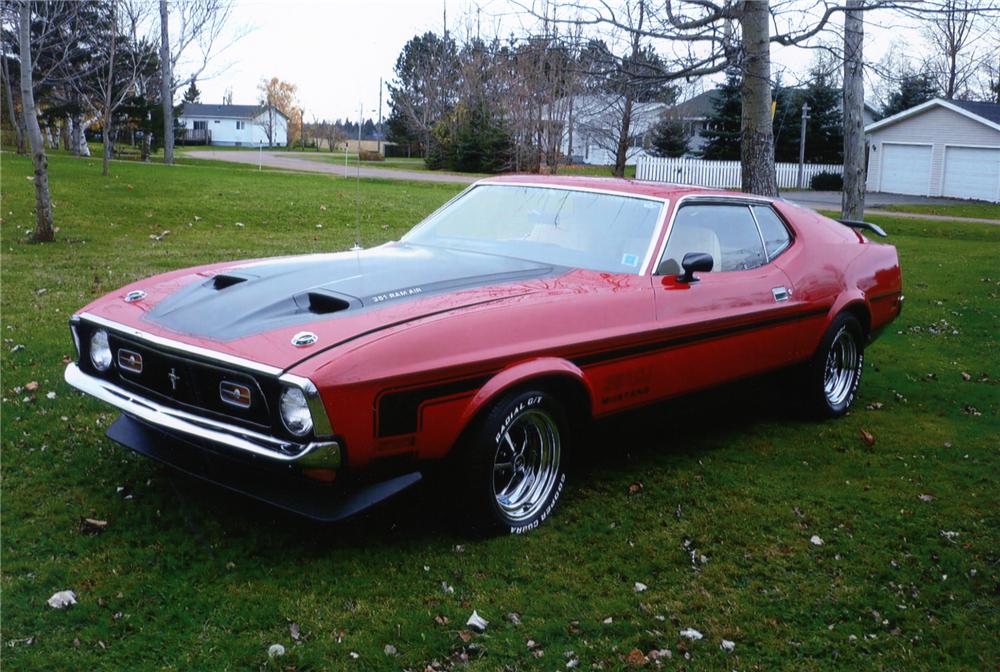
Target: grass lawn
(978,210)
(710,502)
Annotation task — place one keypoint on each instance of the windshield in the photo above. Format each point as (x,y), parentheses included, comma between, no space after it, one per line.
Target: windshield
(563,227)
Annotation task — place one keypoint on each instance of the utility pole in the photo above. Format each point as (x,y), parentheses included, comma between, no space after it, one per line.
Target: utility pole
(379,130)
(802,145)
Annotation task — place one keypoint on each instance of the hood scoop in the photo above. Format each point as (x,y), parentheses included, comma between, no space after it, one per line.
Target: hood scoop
(321,303)
(222,281)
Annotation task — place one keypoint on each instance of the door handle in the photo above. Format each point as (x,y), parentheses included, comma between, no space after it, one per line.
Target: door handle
(781,294)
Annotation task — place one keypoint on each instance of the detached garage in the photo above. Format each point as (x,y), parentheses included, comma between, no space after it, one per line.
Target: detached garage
(940,148)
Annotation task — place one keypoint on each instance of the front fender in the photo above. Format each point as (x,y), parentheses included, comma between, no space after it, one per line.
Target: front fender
(523,373)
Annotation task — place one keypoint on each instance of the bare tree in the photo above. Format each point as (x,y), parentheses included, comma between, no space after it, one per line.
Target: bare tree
(15,121)
(200,25)
(960,33)
(44,229)
(853,199)
(120,66)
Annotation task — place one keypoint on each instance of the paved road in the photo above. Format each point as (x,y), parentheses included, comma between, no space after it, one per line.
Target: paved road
(289,161)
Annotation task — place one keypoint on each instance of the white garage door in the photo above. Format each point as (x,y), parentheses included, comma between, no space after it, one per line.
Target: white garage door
(972,172)
(906,169)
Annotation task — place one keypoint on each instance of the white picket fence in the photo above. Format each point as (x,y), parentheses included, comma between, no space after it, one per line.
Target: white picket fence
(721,174)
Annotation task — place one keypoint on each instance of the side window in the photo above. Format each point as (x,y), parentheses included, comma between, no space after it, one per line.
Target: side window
(776,237)
(727,232)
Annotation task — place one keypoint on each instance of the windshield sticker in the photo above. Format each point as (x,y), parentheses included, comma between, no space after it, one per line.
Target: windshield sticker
(630,260)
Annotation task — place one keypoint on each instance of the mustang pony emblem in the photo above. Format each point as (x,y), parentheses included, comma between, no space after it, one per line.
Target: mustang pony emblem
(173,379)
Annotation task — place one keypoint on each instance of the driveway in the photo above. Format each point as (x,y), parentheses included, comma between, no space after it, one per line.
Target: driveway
(288,161)
(827,200)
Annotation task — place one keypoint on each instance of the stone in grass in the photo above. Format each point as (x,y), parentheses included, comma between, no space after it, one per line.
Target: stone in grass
(62,599)
(692,634)
(727,646)
(640,587)
(815,540)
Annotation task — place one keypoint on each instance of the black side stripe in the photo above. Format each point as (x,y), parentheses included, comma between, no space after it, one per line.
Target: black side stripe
(398,412)
(687,339)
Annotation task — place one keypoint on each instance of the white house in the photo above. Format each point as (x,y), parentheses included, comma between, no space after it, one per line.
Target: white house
(596,122)
(234,125)
(939,148)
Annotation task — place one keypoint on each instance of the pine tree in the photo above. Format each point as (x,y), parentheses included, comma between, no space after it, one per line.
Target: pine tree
(914,89)
(192,94)
(825,127)
(722,129)
(670,138)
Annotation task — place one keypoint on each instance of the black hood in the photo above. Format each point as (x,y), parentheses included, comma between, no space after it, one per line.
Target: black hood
(261,296)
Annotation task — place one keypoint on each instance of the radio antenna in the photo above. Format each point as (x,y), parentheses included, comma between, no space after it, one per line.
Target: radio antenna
(357,186)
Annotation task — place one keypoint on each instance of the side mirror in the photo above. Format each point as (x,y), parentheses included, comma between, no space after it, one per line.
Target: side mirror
(701,262)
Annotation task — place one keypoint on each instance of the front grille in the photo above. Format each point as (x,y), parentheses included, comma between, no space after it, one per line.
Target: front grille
(189,383)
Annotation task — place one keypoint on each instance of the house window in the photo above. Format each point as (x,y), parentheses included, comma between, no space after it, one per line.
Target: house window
(217,121)
(200,125)
(239,125)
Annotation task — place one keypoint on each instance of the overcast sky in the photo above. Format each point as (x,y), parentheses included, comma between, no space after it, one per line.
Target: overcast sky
(335,51)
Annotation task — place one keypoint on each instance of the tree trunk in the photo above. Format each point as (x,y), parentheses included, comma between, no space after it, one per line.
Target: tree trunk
(757,144)
(43,204)
(621,151)
(106,137)
(65,132)
(166,85)
(853,200)
(15,122)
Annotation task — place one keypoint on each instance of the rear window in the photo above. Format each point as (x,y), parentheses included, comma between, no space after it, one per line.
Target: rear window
(772,229)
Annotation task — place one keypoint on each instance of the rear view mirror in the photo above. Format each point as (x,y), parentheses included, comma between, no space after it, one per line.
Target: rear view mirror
(700,262)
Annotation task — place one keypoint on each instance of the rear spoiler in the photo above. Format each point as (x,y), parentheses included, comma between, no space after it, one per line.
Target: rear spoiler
(874,228)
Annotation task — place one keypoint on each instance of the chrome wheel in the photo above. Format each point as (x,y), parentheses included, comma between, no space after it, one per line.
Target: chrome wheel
(841,368)
(526,464)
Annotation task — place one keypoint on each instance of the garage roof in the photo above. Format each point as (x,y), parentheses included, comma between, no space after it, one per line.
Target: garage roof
(984,113)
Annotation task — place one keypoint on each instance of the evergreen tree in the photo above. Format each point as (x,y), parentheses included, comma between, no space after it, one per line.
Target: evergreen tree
(914,89)
(192,94)
(722,129)
(824,128)
(670,138)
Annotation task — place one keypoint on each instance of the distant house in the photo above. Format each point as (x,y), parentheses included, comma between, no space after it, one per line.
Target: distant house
(938,148)
(233,125)
(596,122)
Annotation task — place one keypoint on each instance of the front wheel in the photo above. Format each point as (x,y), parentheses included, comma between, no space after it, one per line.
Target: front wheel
(833,374)
(512,464)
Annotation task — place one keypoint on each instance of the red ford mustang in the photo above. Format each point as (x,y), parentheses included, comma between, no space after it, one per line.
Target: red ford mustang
(521,309)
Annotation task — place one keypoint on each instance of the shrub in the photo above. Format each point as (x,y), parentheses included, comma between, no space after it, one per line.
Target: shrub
(368,155)
(826,181)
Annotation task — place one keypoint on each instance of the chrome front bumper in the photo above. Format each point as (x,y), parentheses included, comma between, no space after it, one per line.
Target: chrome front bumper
(315,454)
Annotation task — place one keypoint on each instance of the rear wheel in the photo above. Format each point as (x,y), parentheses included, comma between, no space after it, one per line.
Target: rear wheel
(512,464)
(833,374)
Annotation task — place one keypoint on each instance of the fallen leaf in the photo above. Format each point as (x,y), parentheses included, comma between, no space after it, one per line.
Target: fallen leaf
(477,622)
(868,437)
(465,635)
(966,377)
(926,498)
(294,631)
(608,621)
(727,646)
(514,618)
(441,620)
(32,386)
(692,634)
(640,587)
(92,525)
(634,488)
(815,540)
(390,650)
(636,658)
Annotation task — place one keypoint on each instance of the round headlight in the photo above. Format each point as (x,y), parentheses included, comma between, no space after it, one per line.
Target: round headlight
(100,351)
(295,411)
